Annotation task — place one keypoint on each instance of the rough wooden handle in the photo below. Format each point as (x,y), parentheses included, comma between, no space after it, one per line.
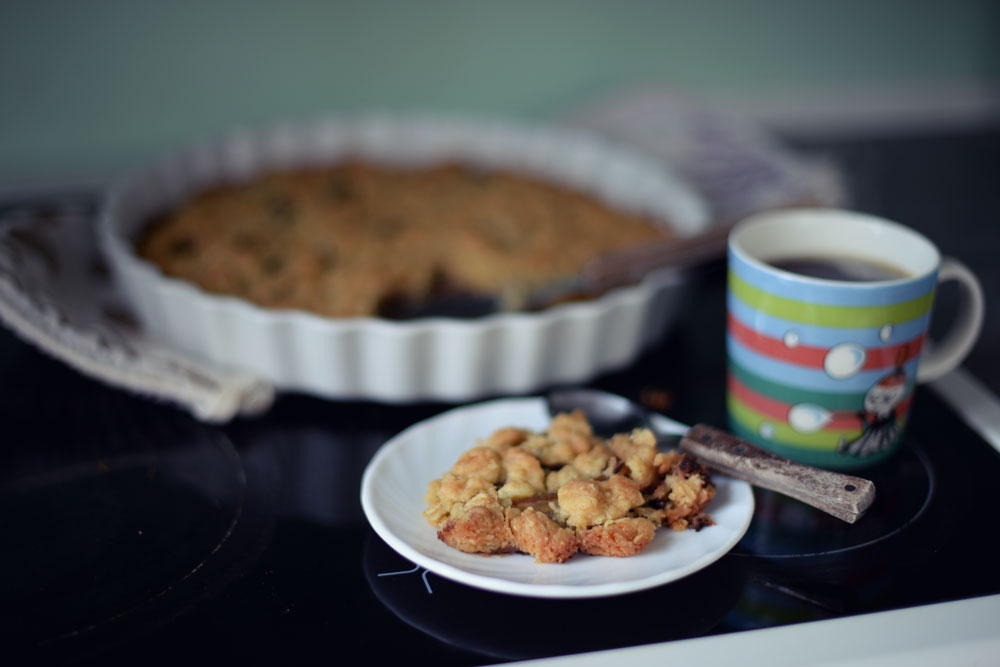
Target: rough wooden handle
(844,496)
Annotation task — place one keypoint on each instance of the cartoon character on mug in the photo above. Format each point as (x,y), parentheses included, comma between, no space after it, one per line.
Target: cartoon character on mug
(879,426)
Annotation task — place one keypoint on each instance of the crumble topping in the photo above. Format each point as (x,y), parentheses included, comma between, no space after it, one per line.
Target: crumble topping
(353,239)
(566,490)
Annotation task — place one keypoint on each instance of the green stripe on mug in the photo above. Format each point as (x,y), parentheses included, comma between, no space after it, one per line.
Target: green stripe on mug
(770,430)
(849,317)
(789,394)
(811,457)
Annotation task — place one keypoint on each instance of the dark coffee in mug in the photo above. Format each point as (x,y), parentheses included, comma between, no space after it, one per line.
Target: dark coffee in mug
(844,268)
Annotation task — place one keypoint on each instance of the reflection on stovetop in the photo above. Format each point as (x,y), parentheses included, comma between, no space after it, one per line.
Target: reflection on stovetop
(115,522)
(508,627)
(785,528)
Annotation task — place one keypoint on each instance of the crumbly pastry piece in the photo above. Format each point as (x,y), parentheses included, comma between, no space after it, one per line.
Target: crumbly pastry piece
(348,239)
(621,537)
(565,491)
(590,502)
(537,534)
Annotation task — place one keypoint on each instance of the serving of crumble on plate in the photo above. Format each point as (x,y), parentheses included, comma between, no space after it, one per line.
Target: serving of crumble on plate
(395,495)
(567,490)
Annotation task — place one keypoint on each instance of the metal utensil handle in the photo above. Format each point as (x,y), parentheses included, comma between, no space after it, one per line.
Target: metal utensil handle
(843,496)
(626,266)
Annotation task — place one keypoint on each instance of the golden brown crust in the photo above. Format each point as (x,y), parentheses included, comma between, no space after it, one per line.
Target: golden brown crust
(588,502)
(538,535)
(343,240)
(480,529)
(564,490)
(479,462)
(638,451)
(619,538)
(683,494)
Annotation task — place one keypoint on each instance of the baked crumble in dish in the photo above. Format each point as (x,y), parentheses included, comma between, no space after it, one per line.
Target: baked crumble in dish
(565,490)
(349,239)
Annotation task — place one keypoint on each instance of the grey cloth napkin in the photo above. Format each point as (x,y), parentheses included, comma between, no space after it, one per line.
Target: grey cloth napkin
(56,293)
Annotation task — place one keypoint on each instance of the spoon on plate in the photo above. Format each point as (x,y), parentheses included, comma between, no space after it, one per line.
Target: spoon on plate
(844,496)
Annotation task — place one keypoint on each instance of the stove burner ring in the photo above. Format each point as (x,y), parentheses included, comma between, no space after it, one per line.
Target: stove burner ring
(784,530)
(226,449)
(124,530)
(436,606)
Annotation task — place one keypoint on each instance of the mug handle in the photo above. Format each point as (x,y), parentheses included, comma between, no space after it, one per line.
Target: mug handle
(949,352)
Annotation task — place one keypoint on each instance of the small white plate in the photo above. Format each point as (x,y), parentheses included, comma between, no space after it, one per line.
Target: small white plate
(392,496)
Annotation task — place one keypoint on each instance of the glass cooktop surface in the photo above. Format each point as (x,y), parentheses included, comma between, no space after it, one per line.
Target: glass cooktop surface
(133,533)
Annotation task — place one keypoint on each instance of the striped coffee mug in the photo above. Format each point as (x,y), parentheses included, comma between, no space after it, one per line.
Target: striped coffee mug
(826,332)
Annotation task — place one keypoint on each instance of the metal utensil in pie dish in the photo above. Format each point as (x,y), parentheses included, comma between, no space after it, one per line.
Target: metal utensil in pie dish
(844,496)
(606,272)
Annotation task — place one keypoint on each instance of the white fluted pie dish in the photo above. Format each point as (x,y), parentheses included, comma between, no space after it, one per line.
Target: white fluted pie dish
(438,359)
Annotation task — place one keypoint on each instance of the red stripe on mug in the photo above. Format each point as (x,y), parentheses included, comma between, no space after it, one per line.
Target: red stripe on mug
(840,419)
(812,356)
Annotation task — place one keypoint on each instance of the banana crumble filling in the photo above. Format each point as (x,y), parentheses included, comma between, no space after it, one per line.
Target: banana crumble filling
(564,490)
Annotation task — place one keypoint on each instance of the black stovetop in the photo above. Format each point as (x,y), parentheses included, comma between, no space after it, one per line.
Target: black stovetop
(132,533)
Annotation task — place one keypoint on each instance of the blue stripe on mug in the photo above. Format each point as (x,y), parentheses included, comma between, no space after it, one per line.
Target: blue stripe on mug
(819,336)
(808,378)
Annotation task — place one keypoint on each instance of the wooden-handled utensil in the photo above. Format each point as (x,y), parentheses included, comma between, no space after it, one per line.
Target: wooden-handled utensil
(628,266)
(844,496)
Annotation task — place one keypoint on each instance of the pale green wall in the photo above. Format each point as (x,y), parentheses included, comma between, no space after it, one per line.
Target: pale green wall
(91,87)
